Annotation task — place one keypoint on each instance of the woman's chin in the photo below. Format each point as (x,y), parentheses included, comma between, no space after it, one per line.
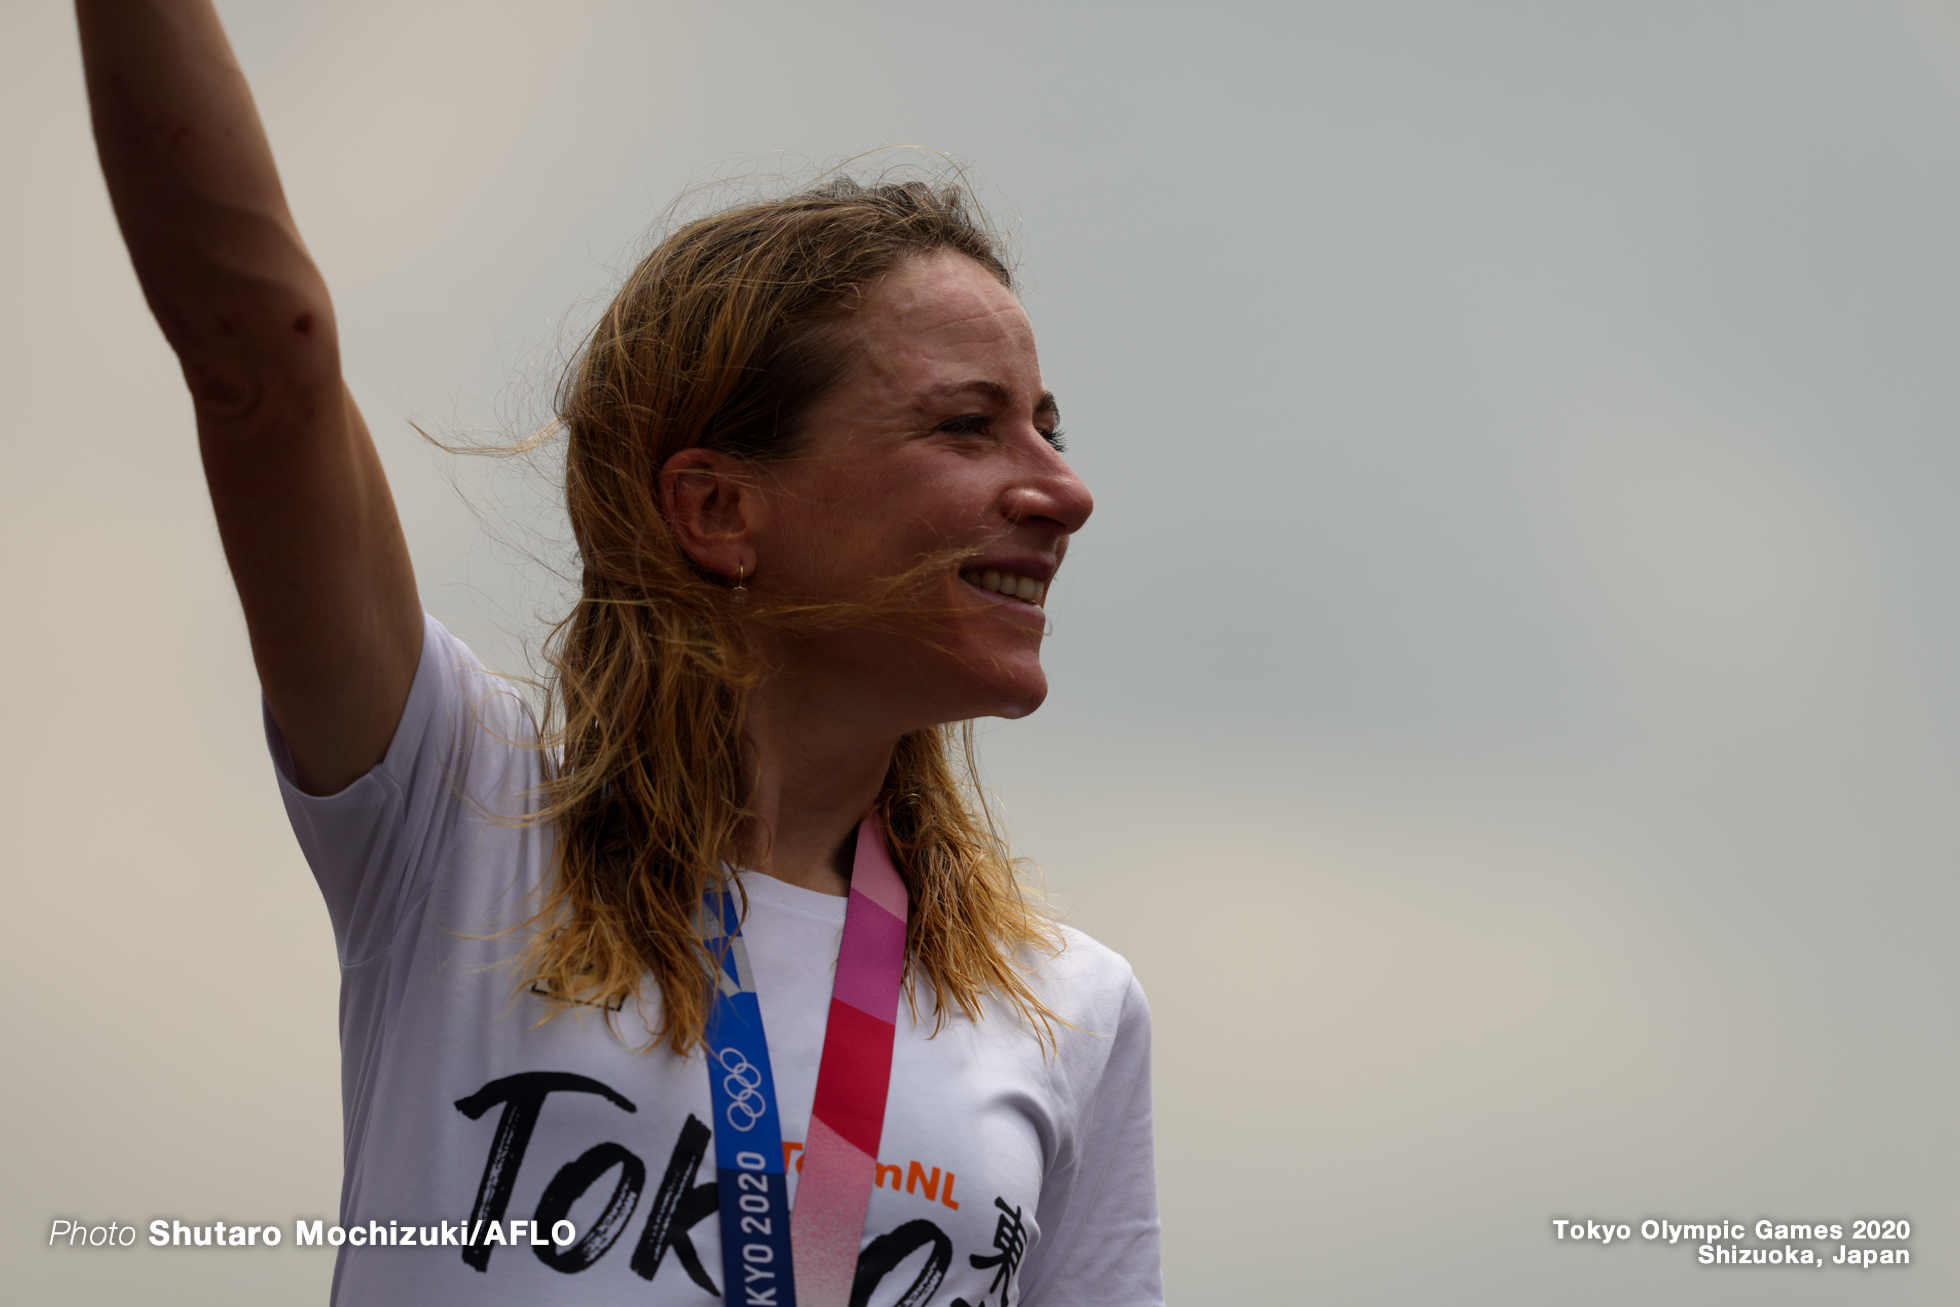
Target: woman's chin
(1014,699)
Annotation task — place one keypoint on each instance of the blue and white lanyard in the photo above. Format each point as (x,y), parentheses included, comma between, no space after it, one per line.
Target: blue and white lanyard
(753,1182)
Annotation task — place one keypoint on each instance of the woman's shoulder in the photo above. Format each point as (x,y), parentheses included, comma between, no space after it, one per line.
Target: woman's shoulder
(1089,985)
(464,728)
(451,672)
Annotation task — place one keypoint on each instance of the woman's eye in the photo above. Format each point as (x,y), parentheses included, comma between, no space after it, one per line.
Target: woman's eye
(978,424)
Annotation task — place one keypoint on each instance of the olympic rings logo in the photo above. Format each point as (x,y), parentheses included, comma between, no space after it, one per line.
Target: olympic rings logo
(741,1085)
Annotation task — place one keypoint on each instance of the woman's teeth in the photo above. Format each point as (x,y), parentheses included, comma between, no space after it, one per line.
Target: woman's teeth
(1007,583)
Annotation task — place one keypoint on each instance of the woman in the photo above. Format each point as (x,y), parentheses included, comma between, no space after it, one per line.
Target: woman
(730,899)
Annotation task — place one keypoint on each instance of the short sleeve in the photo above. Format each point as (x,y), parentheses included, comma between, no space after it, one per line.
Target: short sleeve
(464,748)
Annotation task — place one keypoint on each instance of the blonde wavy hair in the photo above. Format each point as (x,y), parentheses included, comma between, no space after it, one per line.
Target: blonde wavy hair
(723,337)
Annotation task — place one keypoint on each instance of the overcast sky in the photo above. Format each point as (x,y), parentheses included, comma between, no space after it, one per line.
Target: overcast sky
(1504,704)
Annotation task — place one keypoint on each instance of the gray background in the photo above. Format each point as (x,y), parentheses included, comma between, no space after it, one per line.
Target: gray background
(1504,704)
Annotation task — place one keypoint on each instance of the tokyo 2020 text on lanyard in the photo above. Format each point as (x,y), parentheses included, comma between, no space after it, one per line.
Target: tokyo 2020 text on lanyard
(760,1240)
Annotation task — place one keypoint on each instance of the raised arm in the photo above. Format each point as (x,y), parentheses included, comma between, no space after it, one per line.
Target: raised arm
(303,506)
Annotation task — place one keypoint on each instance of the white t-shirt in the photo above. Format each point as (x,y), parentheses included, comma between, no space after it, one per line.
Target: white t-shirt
(1006,1174)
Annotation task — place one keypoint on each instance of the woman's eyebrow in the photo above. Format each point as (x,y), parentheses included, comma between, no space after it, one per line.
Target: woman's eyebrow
(992,391)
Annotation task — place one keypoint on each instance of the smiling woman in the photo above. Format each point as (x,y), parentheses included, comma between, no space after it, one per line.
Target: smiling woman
(818,492)
(847,501)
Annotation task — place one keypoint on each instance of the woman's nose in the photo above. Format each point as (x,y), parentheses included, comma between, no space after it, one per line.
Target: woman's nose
(1054,494)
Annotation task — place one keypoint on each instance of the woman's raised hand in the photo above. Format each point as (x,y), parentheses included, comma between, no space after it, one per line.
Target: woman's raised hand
(308,525)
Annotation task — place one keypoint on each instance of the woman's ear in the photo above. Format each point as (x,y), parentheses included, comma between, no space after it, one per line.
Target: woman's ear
(714,506)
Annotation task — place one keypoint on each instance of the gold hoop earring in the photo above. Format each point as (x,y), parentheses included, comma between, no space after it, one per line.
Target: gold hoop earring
(740,593)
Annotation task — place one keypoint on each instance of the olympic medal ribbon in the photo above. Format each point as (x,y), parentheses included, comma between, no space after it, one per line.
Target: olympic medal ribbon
(840,1158)
(751,1183)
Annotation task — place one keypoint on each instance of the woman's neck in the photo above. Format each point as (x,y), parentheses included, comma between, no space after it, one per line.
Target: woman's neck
(818,769)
